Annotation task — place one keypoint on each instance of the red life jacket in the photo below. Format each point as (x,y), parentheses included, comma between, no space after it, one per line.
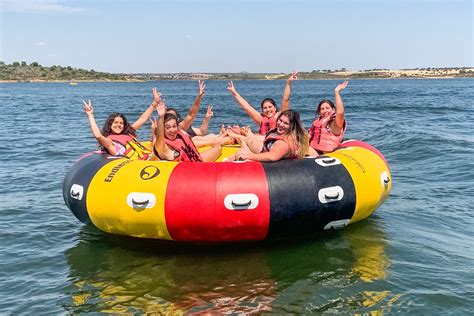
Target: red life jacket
(272,137)
(322,138)
(128,146)
(183,145)
(267,123)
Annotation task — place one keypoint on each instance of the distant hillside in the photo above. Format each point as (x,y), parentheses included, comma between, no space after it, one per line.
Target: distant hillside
(446,72)
(23,72)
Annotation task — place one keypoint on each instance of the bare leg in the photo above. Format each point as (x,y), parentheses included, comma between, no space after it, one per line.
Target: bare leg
(211,140)
(215,151)
(254,142)
(212,154)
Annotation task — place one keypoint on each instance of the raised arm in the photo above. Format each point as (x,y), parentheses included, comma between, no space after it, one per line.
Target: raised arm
(285,101)
(193,111)
(251,112)
(279,151)
(146,115)
(339,105)
(108,144)
(202,130)
(153,126)
(160,145)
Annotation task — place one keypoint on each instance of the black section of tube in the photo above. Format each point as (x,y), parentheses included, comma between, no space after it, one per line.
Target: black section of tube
(81,173)
(295,208)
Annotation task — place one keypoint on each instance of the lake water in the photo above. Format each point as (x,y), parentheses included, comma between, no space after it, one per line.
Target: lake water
(414,255)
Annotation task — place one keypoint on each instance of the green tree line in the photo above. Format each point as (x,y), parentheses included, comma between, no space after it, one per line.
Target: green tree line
(22,71)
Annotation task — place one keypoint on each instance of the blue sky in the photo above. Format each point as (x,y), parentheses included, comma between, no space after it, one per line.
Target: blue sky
(237,35)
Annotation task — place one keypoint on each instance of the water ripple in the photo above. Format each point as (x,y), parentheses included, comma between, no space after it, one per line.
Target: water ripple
(414,255)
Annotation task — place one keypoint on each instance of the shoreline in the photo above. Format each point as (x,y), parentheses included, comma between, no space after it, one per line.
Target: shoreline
(341,74)
(432,73)
(237,79)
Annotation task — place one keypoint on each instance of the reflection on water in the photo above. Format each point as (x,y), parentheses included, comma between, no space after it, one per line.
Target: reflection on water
(116,274)
(123,275)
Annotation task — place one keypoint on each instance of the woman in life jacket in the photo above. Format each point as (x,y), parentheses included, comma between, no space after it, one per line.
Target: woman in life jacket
(172,144)
(117,137)
(267,118)
(327,130)
(288,140)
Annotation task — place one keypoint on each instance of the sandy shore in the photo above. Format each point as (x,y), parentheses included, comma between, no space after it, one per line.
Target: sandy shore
(411,73)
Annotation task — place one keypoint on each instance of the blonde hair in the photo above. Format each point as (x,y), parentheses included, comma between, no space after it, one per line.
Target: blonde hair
(297,133)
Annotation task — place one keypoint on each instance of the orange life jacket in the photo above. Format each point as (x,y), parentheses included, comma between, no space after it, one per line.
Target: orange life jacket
(321,137)
(128,146)
(266,124)
(183,145)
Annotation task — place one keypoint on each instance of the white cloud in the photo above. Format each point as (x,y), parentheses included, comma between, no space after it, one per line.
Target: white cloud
(38,6)
(188,37)
(40,44)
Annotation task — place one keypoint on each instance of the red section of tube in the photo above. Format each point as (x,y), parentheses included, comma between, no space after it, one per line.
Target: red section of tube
(194,203)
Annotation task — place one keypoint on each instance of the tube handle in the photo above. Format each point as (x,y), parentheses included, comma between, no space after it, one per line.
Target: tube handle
(331,196)
(241,204)
(330,160)
(241,201)
(140,203)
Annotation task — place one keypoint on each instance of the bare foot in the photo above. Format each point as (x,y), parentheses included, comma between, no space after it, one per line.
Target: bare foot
(236,129)
(230,132)
(246,131)
(229,141)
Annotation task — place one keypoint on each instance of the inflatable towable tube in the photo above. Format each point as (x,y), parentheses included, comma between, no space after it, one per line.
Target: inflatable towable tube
(228,201)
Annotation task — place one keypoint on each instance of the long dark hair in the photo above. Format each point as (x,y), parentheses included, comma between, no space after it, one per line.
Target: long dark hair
(325,101)
(107,129)
(175,112)
(170,116)
(297,131)
(271,101)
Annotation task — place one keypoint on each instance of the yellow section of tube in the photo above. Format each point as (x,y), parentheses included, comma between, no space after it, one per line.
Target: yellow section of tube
(371,177)
(127,197)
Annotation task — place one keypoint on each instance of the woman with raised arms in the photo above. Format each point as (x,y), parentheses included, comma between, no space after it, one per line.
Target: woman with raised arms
(172,144)
(199,135)
(327,130)
(267,118)
(118,137)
